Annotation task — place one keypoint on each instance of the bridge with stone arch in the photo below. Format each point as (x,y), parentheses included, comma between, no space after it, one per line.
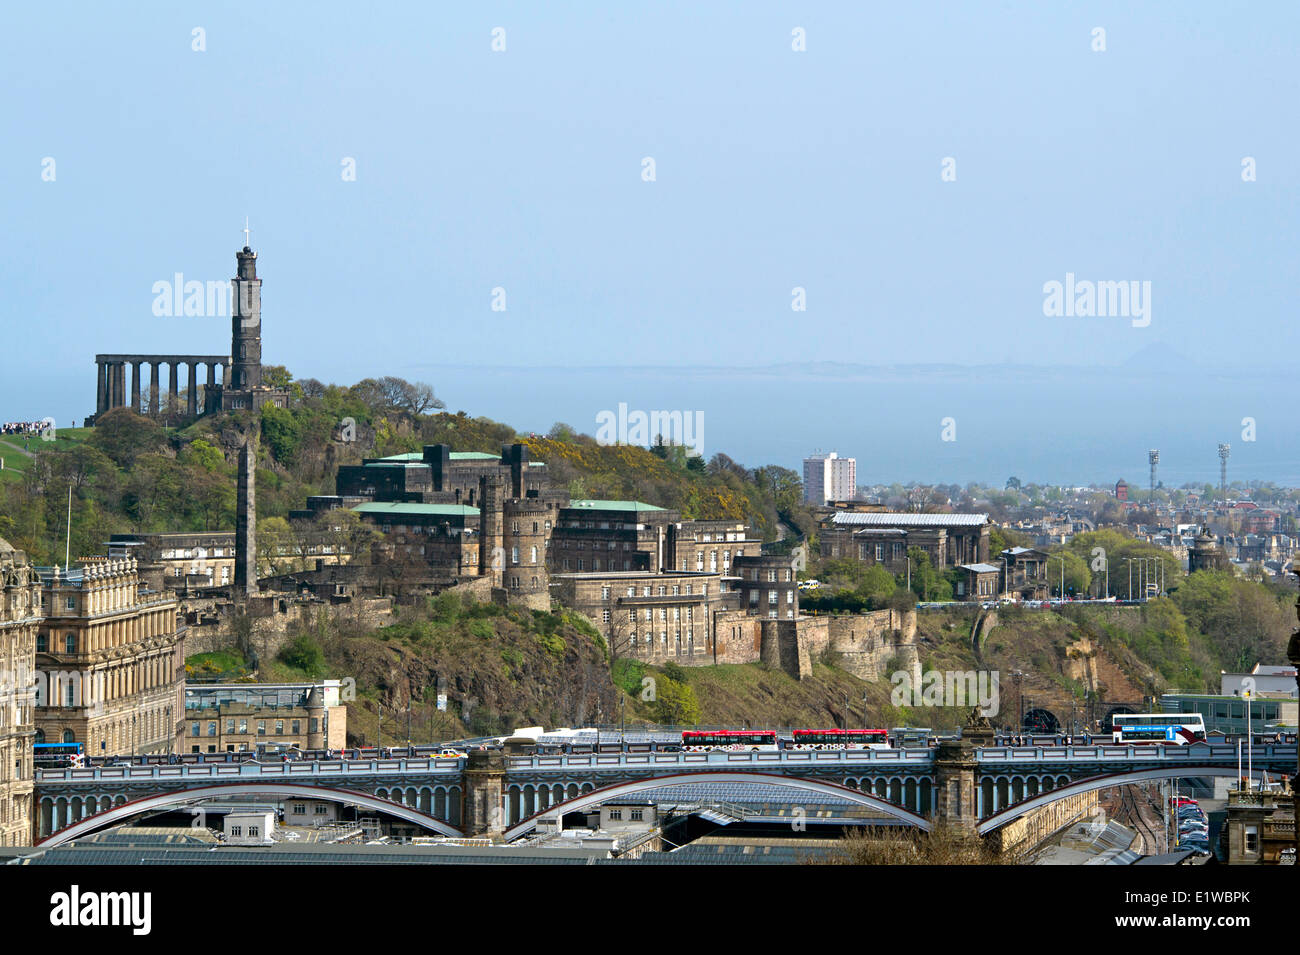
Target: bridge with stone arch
(504,795)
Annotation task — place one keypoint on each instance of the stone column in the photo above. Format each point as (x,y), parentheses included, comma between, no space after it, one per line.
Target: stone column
(483,812)
(193,398)
(174,391)
(119,385)
(135,386)
(956,783)
(246,520)
(212,387)
(101,387)
(153,388)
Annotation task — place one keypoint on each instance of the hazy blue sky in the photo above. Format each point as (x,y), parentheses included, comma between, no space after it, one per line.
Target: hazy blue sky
(522,169)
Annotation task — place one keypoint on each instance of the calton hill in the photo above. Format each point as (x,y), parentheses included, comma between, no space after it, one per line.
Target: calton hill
(502,666)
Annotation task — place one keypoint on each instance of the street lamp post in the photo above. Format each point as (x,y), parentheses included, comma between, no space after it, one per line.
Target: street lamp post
(1061,558)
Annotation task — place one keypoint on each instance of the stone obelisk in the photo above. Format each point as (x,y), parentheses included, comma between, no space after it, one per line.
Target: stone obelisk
(246,520)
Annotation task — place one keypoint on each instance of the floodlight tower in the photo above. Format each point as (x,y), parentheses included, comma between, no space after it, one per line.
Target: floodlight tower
(1223,471)
(1154,457)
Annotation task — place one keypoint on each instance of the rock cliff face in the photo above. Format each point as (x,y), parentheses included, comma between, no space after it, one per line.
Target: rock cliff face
(1096,669)
(497,672)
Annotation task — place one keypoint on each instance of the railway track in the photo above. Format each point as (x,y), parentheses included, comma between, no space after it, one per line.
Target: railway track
(1151,833)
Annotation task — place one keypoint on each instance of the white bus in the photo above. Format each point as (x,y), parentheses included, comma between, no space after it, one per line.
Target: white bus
(1177,728)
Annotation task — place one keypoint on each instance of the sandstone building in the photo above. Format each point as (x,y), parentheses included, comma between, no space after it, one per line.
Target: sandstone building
(179,561)
(110,660)
(883,537)
(20,610)
(234,717)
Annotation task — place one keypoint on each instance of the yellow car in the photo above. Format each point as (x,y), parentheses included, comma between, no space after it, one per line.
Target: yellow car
(449,754)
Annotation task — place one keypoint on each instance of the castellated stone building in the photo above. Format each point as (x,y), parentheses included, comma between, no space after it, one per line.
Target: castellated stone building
(455,519)
(20,614)
(655,586)
(110,661)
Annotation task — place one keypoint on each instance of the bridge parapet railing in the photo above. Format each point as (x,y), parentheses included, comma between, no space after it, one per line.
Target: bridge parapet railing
(774,760)
(1102,752)
(301,769)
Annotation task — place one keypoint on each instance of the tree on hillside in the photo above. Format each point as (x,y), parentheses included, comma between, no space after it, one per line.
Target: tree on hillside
(345,534)
(276,376)
(394,395)
(124,435)
(277,545)
(561,432)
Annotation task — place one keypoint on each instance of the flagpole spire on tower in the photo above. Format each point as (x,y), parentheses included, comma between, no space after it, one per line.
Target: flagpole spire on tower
(246,245)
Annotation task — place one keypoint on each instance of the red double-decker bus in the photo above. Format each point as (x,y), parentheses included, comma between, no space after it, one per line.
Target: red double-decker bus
(702,741)
(840,739)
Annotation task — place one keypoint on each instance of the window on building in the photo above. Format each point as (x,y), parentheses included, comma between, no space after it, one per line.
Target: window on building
(237,831)
(261,727)
(616,814)
(42,643)
(604,615)
(194,730)
(299,809)
(297,727)
(69,643)
(212,727)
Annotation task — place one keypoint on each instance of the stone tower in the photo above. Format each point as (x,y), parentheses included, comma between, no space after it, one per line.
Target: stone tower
(246,520)
(246,324)
(491,559)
